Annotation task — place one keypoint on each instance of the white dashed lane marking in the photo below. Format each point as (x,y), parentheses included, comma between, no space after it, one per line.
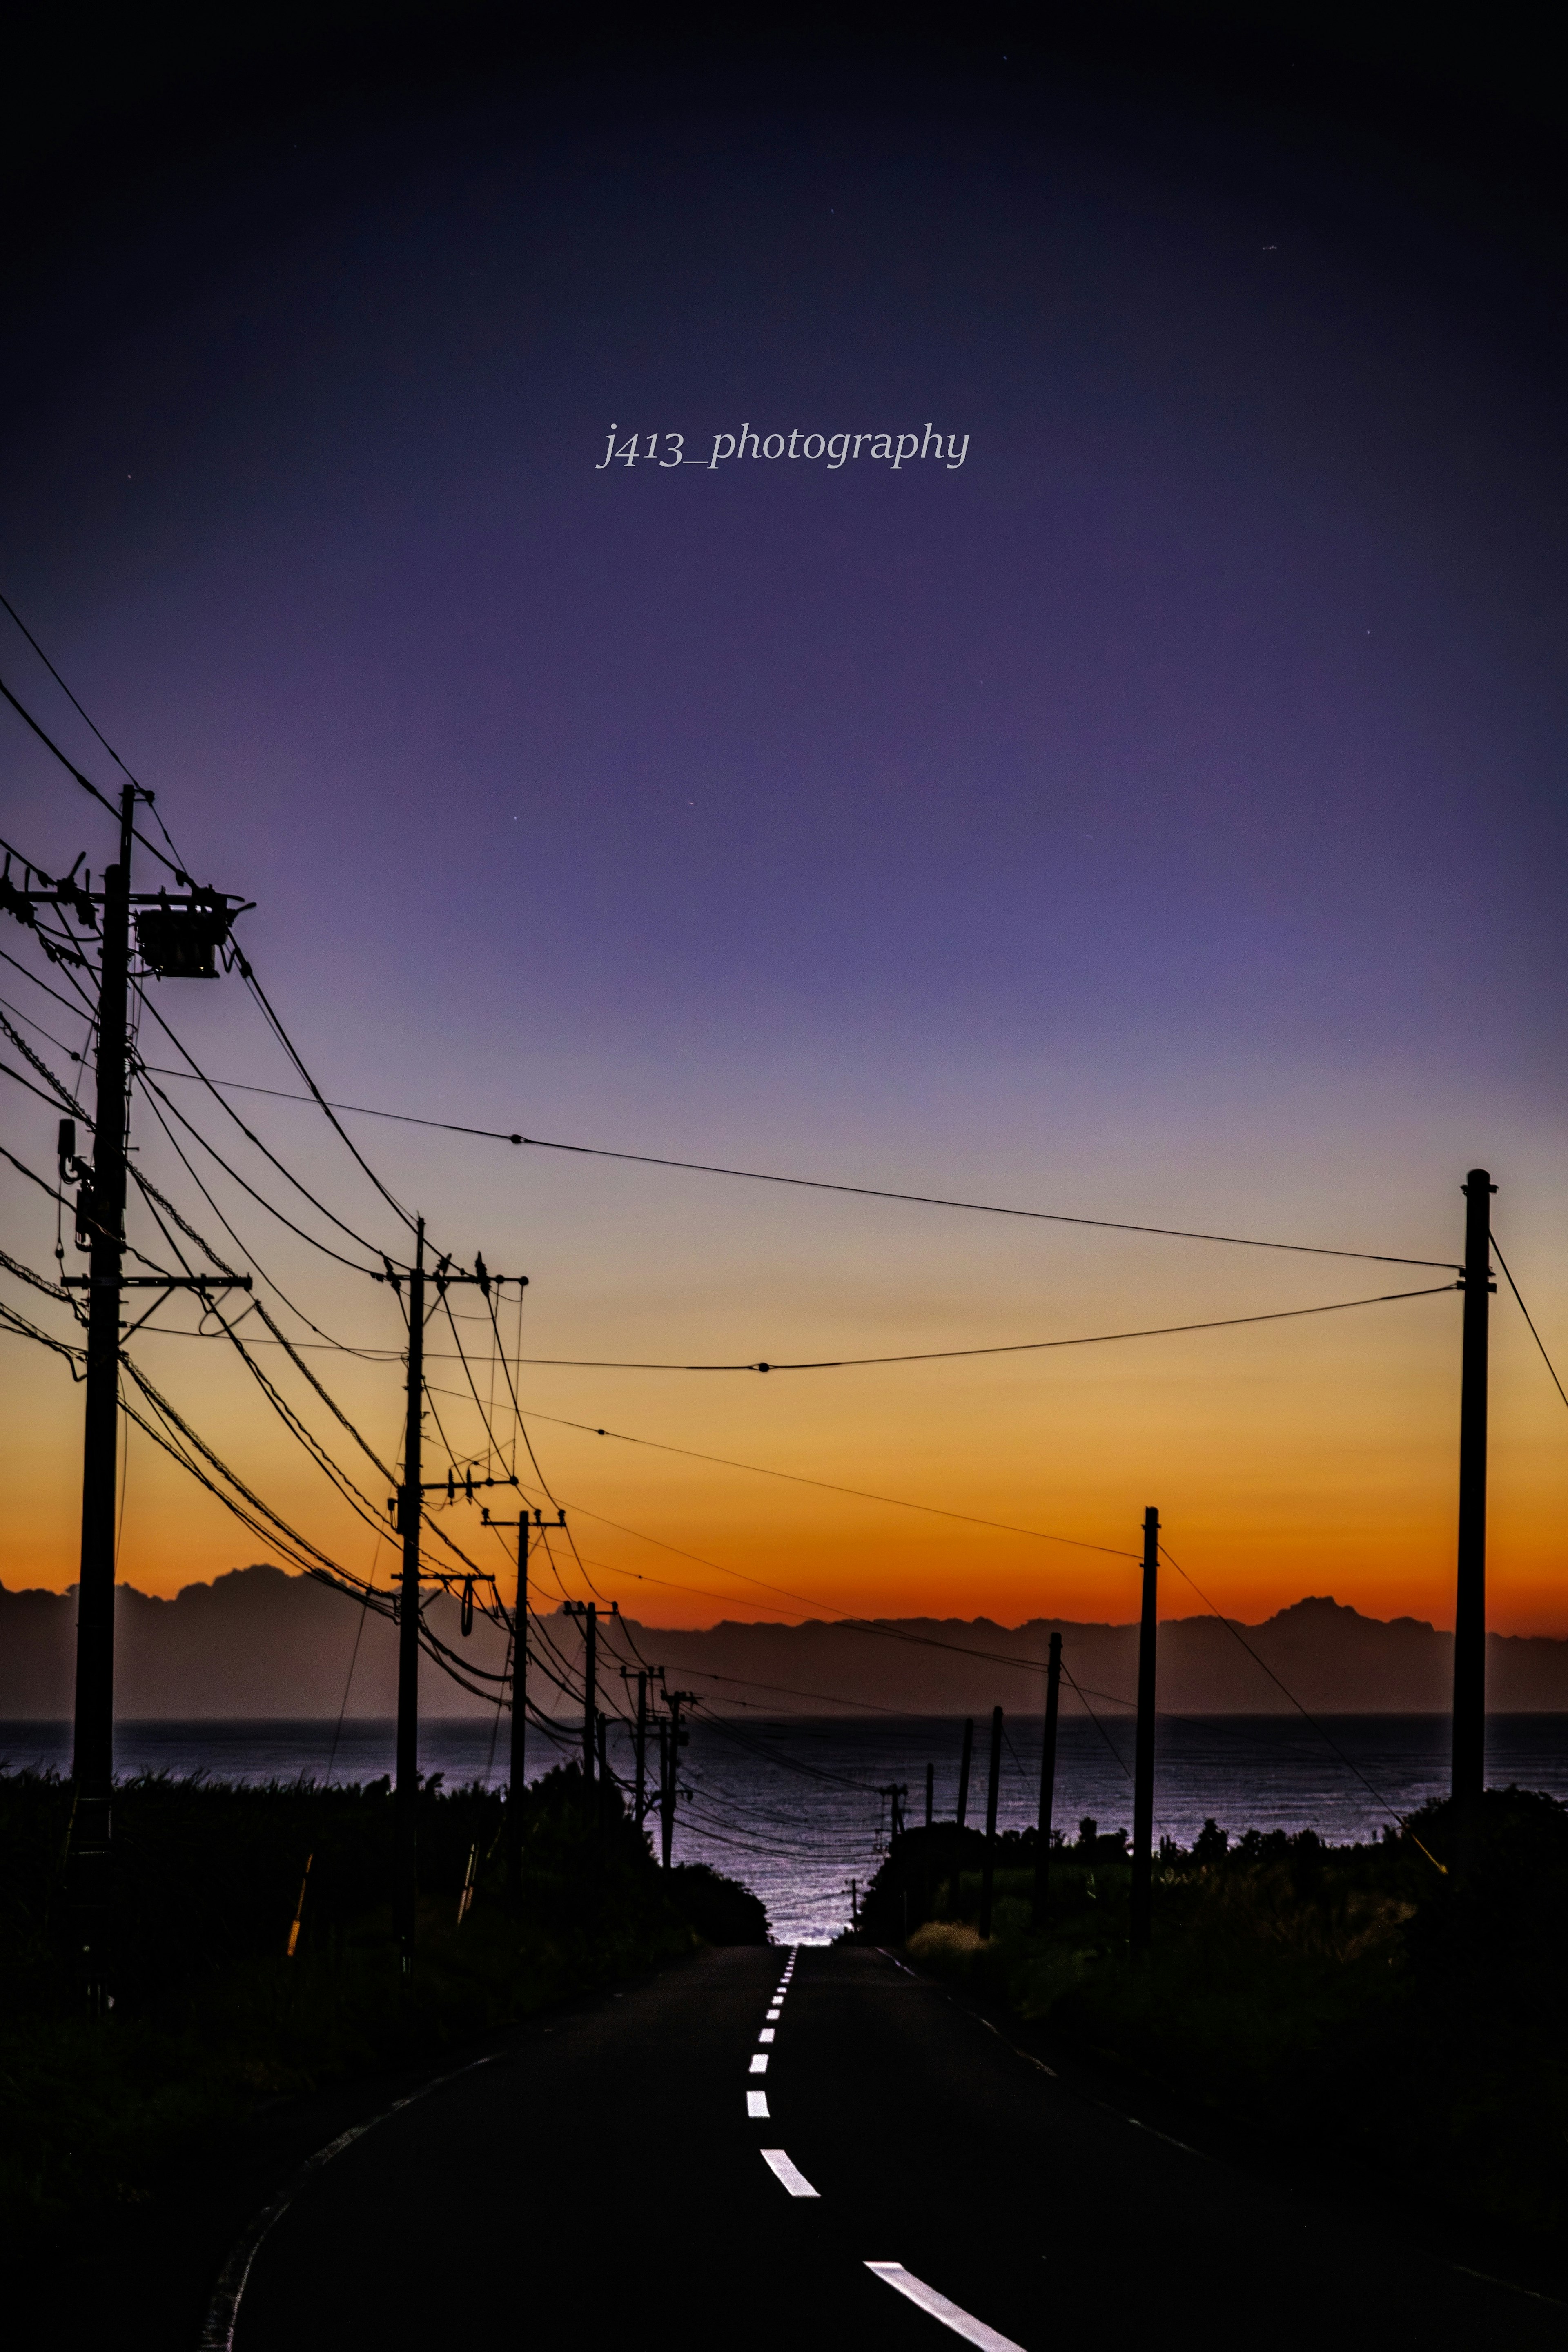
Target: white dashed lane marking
(756,2103)
(767,2034)
(963,2322)
(759,2064)
(793,2179)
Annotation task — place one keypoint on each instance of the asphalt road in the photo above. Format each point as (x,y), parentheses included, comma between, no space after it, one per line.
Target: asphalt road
(604,2179)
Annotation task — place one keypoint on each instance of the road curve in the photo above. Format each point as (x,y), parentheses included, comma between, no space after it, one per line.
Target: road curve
(883,2172)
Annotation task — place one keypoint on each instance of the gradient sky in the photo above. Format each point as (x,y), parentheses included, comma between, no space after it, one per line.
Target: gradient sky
(1159,816)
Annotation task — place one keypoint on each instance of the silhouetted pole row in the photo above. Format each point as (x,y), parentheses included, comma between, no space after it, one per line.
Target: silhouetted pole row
(963,1763)
(989,1870)
(1470,1594)
(1143,1758)
(1047,1780)
(931,1839)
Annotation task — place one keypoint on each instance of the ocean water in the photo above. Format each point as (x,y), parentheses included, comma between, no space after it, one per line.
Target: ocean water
(797,1807)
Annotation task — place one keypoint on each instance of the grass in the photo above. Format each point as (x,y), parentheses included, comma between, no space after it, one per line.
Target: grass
(1356,1999)
(213,2020)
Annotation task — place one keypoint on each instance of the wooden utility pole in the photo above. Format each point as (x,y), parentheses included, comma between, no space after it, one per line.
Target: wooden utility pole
(406,1819)
(992,1786)
(93,1767)
(963,1763)
(1047,1781)
(589,1689)
(672,1740)
(641,1805)
(930,1839)
(178,938)
(1143,1761)
(1469,1735)
(516,1772)
(408,1509)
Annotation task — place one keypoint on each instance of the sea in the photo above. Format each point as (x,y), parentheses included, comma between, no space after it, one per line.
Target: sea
(799,1809)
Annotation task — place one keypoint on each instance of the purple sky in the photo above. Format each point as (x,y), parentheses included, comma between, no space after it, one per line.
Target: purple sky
(1165,808)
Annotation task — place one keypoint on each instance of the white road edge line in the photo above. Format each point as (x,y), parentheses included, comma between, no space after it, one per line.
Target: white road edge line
(794,2179)
(222,2310)
(974,2331)
(756,2105)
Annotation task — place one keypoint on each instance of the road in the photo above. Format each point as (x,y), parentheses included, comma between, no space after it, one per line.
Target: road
(603,2177)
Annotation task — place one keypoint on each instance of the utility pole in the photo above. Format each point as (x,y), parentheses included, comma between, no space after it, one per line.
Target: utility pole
(1144,1760)
(589,1689)
(963,1763)
(516,1781)
(406,1830)
(1047,1781)
(641,1803)
(178,938)
(672,1740)
(588,1610)
(988,1873)
(408,1510)
(1469,1735)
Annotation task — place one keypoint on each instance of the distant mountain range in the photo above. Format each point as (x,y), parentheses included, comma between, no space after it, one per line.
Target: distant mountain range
(257,1643)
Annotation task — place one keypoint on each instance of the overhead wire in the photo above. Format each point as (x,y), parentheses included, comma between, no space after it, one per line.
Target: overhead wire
(1006,1347)
(866,1192)
(1534,1334)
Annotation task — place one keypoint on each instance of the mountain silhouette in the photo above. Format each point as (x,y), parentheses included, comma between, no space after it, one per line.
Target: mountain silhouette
(257,1643)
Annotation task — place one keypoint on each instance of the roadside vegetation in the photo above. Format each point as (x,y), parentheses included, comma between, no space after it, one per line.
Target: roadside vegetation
(1357,1998)
(213,2018)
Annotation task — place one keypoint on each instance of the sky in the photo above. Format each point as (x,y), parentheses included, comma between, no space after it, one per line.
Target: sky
(1155,816)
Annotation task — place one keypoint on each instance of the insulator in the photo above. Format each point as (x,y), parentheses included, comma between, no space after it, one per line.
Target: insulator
(467,1618)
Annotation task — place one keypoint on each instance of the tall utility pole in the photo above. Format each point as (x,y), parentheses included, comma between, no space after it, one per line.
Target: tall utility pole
(408,1508)
(406,1819)
(93,1767)
(1144,1760)
(930,1839)
(672,1740)
(963,1763)
(1047,1781)
(516,1778)
(589,1689)
(1470,1598)
(178,937)
(641,1802)
(992,1786)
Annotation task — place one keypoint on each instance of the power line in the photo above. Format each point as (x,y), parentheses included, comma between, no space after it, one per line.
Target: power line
(1534,1334)
(1007,1347)
(69,697)
(86,781)
(861,1494)
(824,1184)
(1237,1633)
